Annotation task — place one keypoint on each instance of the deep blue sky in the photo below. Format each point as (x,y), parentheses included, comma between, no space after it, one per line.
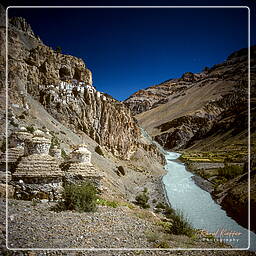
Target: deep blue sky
(131,49)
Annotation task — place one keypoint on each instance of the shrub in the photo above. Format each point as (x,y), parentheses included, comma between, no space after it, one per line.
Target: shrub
(169,212)
(160,205)
(162,244)
(145,190)
(180,225)
(80,198)
(63,154)
(142,200)
(164,224)
(105,202)
(55,142)
(30,129)
(230,171)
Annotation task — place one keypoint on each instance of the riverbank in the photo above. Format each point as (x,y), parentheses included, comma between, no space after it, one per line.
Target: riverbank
(229,190)
(198,205)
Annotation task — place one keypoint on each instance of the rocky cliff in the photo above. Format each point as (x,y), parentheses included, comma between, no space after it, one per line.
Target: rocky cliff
(52,94)
(180,112)
(63,85)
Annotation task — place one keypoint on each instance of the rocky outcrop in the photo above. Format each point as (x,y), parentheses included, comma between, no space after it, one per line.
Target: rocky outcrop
(54,106)
(63,85)
(22,25)
(233,197)
(180,112)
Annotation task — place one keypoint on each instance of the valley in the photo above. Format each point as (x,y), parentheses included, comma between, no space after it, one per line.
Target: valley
(62,131)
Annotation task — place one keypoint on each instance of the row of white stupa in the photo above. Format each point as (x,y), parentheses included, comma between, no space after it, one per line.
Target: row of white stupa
(80,87)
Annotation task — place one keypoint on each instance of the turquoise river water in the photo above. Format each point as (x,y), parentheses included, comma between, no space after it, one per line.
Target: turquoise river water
(199,207)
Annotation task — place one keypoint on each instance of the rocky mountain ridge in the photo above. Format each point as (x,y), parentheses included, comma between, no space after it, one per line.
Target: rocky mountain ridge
(205,117)
(180,112)
(37,70)
(52,94)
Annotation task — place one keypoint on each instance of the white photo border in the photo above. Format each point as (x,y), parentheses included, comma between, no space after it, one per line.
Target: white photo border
(123,248)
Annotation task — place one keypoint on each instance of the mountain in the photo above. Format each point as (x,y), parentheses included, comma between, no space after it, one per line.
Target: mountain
(52,103)
(205,116)
(200,110)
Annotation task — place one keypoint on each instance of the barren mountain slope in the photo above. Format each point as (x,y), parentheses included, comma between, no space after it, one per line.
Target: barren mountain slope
(183,111)
(40,97)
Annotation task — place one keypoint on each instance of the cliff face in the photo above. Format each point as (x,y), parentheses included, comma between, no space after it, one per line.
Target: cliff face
(63,85)
(180,112)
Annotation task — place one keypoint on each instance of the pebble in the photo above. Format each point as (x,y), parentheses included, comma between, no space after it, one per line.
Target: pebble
(106,228)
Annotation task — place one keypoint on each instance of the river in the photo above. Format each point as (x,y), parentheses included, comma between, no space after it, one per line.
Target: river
(199,207)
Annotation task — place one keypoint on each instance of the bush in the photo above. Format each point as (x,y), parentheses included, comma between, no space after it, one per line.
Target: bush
(145,190)
(63,154)
(142,200)
(162,244)
(80,198)
(105,202)
(180,225)
(55,142)
(230,171)
(160,205)
(169,212)
(30,129)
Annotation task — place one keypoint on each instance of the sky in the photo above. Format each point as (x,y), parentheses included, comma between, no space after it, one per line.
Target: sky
(128,49)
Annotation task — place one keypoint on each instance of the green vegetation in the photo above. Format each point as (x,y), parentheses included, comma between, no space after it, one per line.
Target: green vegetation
(181,225)
(63,154)
(164,224)
(177,224)
(162,244)
(55,142)
(233,162)
(145,190)
(82,198)
(105,202)
(230,171)
(231,156)
(142,199)
(30,129)
(160,205)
